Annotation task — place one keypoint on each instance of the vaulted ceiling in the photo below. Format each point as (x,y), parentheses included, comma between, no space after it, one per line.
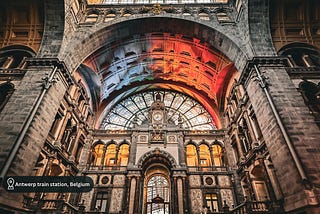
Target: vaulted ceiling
(158,60)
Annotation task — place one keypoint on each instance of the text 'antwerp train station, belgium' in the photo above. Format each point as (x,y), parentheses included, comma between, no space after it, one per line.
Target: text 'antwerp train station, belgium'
(160,106)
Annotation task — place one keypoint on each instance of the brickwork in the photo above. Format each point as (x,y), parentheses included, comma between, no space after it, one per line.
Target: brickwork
(70,38)
(260,36)
(14,117)
(294,116)
(53,29)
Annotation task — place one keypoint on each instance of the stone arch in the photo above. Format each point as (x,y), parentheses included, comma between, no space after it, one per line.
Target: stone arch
(191,142)
(111,142)
(259,28)
(98,142)
(124,142)
(155,156)
(94,38)
(53,29)
(203,141)
(217,142)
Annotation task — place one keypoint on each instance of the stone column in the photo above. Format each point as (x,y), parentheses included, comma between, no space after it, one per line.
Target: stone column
(132,194)
(180,195)
(182,151)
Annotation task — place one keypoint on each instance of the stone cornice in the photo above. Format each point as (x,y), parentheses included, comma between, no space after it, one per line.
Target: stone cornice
(39,62)
(272,61)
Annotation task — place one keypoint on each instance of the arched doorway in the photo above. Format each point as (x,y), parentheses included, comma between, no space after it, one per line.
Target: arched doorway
(157,190)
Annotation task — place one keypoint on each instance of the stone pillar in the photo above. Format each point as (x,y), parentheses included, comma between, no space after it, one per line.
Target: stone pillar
(178,202)
(290,132)
(180,195)
(182,151)
(133,150)
(132,194)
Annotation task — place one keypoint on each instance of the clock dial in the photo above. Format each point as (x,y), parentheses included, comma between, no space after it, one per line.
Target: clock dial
(157,116)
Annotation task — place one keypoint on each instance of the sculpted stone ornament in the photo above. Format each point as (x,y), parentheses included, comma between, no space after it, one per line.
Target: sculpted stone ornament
(156,9)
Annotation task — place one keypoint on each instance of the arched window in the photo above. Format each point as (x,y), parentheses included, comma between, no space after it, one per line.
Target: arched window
(259,183)
(204,154)
(97,154)
(158,195)
(123,155)
(110,157)
(301,55)
(13,56)
(6,90)
(217,155)
(192,158)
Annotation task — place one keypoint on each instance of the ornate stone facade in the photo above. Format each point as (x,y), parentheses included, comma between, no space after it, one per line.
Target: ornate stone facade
(172,107)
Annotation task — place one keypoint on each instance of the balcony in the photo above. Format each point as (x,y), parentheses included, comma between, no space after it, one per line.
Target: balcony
(207,169)
(259,207)
(51,206)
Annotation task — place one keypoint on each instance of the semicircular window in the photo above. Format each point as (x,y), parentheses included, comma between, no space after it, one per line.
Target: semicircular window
(181,110)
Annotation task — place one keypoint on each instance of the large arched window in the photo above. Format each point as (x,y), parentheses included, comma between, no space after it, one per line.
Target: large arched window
(192,157)
(179,107)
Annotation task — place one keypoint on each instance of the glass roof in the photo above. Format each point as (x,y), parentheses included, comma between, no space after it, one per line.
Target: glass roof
(136,107)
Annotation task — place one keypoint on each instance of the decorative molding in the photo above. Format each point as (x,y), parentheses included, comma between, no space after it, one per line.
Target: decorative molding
(157,153)
(272,61)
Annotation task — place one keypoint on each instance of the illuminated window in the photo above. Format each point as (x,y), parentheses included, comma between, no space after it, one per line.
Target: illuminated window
(205,159)
(110,17)
(217,155)
(92,17)
(123,155)
(212,202)
(192,159)
(204,16)
(110,157)
(98,154)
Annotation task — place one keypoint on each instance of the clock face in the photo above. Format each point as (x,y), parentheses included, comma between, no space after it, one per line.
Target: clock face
(157,116)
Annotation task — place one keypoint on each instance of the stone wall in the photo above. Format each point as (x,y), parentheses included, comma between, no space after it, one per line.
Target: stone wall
(299,125)
(13,122)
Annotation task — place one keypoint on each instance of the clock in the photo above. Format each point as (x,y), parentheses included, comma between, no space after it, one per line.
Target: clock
(157,116)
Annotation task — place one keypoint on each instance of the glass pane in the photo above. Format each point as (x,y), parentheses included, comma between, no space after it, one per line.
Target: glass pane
(194,116)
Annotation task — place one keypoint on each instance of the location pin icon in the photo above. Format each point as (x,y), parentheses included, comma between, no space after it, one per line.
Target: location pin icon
(10,183)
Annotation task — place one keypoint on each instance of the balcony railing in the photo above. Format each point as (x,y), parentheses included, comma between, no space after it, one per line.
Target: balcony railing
(107,168)
(260,207)
(207,169)
(51,206)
